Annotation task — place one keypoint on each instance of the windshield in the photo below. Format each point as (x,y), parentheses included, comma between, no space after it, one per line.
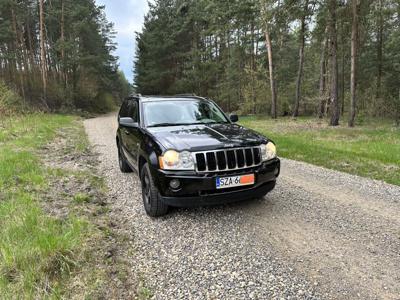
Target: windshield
(181,112)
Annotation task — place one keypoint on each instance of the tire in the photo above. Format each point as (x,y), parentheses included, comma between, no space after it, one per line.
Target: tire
(123,165)
(262,198)
(269,191)
(153,205)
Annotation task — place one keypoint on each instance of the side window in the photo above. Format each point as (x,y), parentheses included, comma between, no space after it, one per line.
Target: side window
(124,111)
(134,111)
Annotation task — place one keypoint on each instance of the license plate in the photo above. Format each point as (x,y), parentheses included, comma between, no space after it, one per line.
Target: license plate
(233,181)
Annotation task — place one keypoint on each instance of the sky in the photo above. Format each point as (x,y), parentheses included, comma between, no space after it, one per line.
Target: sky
(127,16)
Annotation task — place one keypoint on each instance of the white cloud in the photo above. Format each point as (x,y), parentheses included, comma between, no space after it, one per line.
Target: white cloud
(127,16)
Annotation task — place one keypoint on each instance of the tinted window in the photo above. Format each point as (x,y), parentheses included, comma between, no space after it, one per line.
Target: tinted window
(129,109)
(133,111)
(124,111)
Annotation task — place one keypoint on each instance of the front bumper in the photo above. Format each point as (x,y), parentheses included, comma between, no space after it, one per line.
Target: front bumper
(200,189)
(220,198)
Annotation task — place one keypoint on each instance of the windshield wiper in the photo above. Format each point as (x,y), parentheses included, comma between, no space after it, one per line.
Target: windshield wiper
(171,124)
(221,122)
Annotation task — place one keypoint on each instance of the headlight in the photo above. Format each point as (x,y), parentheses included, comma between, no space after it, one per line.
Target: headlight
(173,160)
(268,151)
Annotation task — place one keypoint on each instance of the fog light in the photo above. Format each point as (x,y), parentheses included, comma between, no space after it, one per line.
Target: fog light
(174,184)
(276,171)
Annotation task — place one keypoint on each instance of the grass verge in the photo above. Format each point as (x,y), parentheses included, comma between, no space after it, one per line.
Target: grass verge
(45,250)
(371,149)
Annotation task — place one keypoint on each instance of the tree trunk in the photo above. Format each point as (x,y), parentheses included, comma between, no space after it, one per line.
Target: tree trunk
(334,105)
(42,50)
(252,69)
(343,61)
(239,85)
(354,57)
(271,72)
(31,50)
(19,68)
(379,51)
(322,78)
(63,68)
(398,112)
(301,61)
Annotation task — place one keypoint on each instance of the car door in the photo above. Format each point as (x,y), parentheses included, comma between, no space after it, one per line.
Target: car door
(123,113)
(133,133)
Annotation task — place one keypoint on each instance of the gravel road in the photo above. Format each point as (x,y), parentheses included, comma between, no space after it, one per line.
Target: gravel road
(320,234)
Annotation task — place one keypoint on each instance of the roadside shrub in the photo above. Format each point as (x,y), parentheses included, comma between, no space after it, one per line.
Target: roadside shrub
(104,102)
(10,102)
(57,96)
(86,92)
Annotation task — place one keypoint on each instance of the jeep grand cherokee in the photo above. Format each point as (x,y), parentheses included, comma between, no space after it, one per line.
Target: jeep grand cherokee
(187,152)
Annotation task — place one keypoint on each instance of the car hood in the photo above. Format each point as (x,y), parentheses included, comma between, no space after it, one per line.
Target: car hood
(205,137)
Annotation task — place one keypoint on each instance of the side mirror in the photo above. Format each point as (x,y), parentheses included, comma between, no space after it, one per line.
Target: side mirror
(128,122)
(233,118)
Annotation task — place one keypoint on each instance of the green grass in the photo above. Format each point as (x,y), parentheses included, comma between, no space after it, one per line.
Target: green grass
(36,250)
(371,149)
(82,198)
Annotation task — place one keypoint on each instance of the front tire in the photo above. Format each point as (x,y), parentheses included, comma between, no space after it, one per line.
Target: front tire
(269,191)
(123,164)
(153,205)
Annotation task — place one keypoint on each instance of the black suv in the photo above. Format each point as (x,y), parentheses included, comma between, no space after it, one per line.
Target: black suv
(187,152)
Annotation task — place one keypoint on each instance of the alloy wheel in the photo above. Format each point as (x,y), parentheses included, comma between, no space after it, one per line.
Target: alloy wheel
(146,189)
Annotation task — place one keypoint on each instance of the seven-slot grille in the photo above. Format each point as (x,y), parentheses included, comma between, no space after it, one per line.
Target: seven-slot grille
(227,159)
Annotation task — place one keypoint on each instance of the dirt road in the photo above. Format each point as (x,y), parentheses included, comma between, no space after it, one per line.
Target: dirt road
(320,234)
